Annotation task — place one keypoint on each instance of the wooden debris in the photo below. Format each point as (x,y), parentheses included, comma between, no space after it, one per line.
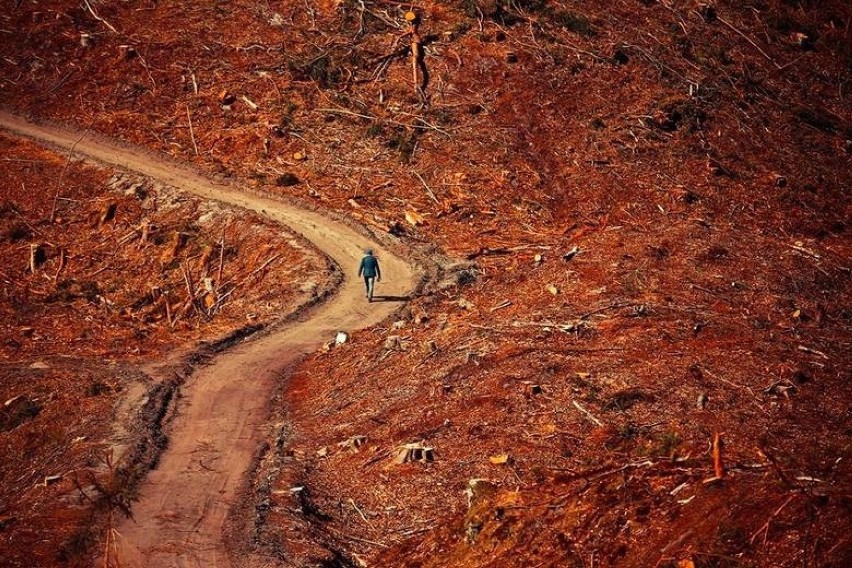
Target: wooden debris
(765,527)
(251,104)
(552,289)
(107,213)
(414,218)
(226,98)
(98,18)
(414,452)
(353,444)
(426,186)
(191,131)
(38,256)
(478,489)
(341,338)
(393,343)
(799,247)
(718,465)
(51,479)
(416,49)
(62,257)
(570,254)
(176,243)
(812,351)
(354,506)
(587,413)
(501,459)
(145,228)
(12,400)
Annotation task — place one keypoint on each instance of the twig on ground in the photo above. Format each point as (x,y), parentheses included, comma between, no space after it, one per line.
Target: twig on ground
(62,175)
(98,18)
(765,527)
(191,131)
(614,306)
(748,39)
(587,413)
(425,185)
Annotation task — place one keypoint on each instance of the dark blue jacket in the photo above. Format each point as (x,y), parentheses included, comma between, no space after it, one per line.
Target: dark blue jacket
(369,267)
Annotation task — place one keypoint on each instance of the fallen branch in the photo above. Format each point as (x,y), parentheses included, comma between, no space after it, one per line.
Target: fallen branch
(748,39)
(812,351)
(428,189)
(62,175)
(587,413)
(191,131)
(765,527)
(221,260)
(98,18)
(614,306)
(61,263)
(718,466)
(262,266)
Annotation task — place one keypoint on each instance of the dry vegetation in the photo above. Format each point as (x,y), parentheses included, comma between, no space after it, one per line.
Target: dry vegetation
(93,283)
(696,156)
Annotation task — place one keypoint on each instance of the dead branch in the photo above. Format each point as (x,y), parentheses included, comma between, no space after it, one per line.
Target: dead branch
(718,466)
(98,18)
(765,527)
(614,306)
(425,185)
(587,413)
(262,266)
(748,39)
(221,259)
(61,263)
(191,131)
(61,175)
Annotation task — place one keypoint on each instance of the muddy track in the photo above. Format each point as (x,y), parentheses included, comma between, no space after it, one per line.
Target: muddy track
(178,519)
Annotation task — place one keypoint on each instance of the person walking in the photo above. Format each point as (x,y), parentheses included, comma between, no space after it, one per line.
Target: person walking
(371,272)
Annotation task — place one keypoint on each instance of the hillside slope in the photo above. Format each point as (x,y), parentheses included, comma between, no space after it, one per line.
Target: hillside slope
(695,155)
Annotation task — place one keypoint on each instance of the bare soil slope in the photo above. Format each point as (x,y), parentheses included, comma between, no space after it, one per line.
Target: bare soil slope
(695,154)
(94,285)
(182,504)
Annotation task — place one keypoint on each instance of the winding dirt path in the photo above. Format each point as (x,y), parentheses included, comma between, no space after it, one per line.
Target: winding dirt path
(178,520)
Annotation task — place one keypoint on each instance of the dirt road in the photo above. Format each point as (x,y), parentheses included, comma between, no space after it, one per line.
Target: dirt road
(224,406)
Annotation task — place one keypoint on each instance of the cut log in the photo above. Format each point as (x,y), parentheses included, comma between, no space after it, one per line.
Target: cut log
(107,213)
(38,256)
(353,444)
(176,243)
(414,452)
(145,229)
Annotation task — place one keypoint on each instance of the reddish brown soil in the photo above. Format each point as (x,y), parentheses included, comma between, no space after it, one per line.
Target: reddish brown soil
(74,331)
(699,160)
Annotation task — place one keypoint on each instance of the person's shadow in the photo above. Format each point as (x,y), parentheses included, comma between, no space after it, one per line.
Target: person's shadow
(378,298)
